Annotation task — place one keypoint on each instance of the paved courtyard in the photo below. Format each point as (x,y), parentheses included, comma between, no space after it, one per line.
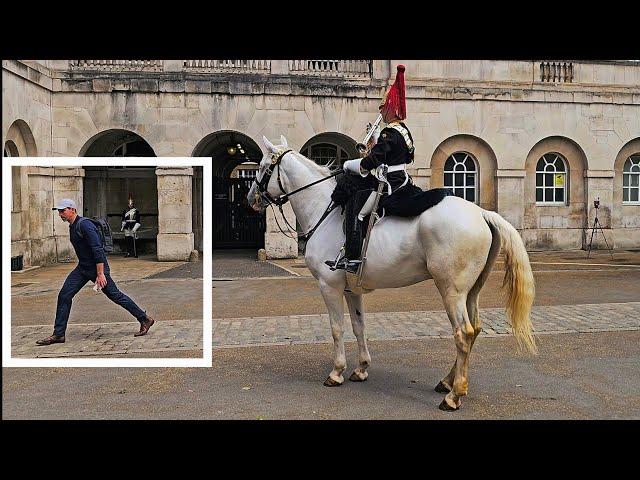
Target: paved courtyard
(273,349)
(171,292)
(102,339)
(292,329)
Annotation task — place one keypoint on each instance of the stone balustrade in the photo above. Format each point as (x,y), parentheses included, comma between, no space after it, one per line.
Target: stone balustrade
(556,72)
(116,65)
(331,68)
(227,66)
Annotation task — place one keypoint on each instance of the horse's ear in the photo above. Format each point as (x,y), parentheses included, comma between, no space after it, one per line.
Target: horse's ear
(283,141)
(268,144)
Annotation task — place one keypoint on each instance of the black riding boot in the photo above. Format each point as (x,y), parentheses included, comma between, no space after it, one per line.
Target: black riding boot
(350,261)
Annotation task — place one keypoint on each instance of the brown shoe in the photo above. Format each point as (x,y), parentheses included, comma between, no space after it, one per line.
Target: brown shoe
(145,325)
(50,340)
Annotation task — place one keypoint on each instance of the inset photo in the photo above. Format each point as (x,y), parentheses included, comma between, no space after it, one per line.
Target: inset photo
(106,262)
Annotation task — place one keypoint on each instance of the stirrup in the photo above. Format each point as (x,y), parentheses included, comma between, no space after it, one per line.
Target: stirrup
(348,265)
(333,265)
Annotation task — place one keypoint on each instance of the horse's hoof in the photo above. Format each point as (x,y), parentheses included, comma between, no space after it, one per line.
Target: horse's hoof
(446,407)
(330,382)
(356,378)
(442,388)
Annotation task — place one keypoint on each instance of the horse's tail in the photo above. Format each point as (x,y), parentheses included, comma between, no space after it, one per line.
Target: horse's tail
(518,279)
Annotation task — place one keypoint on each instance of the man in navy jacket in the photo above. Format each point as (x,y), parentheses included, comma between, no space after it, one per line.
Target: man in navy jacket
(92,266)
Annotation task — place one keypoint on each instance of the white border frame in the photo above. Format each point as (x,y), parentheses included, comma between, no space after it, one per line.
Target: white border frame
(207,327)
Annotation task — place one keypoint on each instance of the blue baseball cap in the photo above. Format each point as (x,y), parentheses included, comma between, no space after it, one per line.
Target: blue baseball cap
(65,203)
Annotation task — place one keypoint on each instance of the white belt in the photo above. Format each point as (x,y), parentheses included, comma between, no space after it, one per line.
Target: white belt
(379,174)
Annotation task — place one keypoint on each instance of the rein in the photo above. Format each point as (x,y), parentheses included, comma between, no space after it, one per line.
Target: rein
(284,198)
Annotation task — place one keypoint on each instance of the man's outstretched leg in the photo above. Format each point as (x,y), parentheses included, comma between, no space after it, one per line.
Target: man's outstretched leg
(116,296)
(72,285)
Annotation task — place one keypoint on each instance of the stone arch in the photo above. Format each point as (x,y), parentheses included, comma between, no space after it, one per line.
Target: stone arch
(345,147)
(106,189)
(482,153)
(218,144)
(116,142)
(19,141)
(556,226)
(10,149)
(623,215)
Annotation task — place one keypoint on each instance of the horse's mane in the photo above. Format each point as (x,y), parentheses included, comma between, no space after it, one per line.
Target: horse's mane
(325,171)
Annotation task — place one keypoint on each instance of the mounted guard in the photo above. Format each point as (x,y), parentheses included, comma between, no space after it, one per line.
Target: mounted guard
(380,181)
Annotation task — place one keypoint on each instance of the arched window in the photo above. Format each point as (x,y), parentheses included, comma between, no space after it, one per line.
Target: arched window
(325,153)
(631,180)
(461,174)
(551,180)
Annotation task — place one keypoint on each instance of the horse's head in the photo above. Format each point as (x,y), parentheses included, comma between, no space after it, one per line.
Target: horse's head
(265,187)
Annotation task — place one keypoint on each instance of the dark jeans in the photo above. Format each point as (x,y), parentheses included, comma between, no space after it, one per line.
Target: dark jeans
(72,285)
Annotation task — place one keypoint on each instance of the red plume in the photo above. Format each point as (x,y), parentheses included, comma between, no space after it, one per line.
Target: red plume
(395,99)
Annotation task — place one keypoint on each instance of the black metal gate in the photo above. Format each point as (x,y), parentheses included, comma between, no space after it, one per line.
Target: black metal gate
(235,224)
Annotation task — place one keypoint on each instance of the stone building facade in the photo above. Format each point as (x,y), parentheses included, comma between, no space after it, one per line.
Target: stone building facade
(536,141)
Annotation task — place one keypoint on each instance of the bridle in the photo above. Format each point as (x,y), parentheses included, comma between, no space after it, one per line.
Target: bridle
(263,184)
(263,194)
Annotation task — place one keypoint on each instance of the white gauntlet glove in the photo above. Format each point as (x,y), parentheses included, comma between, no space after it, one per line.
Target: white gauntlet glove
(122,227)
(135,227)
(353,166)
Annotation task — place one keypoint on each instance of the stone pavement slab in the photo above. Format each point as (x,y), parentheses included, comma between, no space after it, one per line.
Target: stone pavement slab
(295,329)
(105,339)
(237,264)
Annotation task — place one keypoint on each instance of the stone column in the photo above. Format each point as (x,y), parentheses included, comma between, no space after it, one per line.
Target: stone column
(175,233)
(510,196)
(599,184)
(275,243)
(67,183)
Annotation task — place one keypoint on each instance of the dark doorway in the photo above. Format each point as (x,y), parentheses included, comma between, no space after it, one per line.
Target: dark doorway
(235,163)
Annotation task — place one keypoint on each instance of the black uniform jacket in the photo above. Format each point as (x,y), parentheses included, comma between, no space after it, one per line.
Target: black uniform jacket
(390,149)
(129,224)
(405,201)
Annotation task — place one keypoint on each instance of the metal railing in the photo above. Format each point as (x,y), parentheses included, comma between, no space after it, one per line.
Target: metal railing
(556,72)
(116,65)
(331,68)
(227,66)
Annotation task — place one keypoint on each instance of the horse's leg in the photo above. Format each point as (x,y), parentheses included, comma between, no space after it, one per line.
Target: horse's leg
(456,306)
(446,384)
(356,311)
(333,298)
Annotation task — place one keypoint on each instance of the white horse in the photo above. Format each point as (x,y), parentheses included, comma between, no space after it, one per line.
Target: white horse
(455,243)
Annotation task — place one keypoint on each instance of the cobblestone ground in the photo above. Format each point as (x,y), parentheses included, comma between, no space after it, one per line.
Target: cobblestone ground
(171,292)
(105,339)
(293,329)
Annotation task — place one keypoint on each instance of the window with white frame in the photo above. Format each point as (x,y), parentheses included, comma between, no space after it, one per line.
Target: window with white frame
(631,180)
(461,175)
(551,180)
